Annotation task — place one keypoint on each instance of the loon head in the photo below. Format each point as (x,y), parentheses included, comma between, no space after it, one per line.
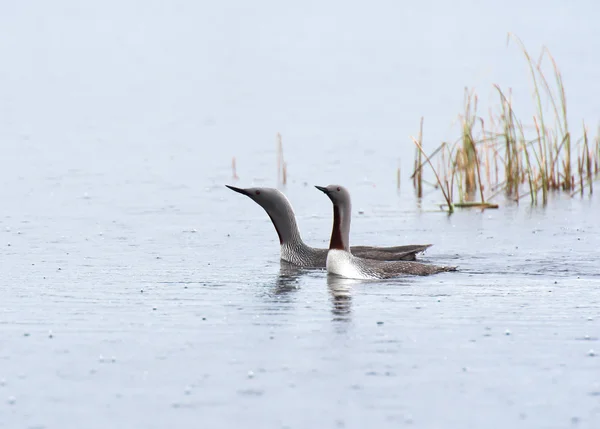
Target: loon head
(277,207)
(337,194)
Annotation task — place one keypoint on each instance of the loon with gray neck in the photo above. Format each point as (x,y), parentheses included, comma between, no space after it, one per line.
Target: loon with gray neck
(295,251)
(340,260)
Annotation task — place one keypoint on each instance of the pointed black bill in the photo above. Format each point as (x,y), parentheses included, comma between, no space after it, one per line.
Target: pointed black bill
(322,189)
(240,190)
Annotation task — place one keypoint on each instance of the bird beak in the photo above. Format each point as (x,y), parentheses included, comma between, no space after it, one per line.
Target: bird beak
(322,189)
(239,190)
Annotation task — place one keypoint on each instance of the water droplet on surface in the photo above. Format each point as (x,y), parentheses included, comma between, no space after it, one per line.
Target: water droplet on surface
(26,334)
(50,334)
(101,358)
(507,332)
(188,390)
(250,374)
(113,359)
(591,353)
(11,400)
(380,323)
(153,308)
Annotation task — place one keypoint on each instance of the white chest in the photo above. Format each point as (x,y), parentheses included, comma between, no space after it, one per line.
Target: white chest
(341,263)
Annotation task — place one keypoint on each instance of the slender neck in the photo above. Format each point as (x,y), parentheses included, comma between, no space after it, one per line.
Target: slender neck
(340,234)
(284,221)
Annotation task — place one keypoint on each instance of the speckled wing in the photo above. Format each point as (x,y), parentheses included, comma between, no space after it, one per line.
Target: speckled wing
(396,253)
(389,269)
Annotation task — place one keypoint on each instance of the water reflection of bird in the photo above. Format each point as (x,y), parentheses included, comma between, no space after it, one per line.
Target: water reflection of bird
(295,251)
(341,297)
(342,262)
(278,295)
(287,279)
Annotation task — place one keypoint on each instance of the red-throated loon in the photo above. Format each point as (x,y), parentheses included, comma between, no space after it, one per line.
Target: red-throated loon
(342,262)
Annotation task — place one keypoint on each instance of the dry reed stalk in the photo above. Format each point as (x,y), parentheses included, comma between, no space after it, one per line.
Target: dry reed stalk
(511,162)
(541,161)
(419,167)
(468,146)
(565,130)
(597,162)
(234,169)
(586,162)
(588,159)
(445,170)
(481,185)
(487,163)
(459,171)
(419,161)
(580,161)
(476,205)
(281,165)
(446,196)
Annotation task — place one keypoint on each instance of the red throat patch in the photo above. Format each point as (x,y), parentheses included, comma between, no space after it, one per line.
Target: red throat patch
(336,234)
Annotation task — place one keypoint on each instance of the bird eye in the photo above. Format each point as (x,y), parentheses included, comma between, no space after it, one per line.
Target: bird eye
(339,189)
(257,192)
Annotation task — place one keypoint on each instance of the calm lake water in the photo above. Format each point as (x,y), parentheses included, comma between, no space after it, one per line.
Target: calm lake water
(136,291)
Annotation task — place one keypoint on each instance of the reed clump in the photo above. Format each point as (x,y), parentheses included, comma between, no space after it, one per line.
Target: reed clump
(502,155)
